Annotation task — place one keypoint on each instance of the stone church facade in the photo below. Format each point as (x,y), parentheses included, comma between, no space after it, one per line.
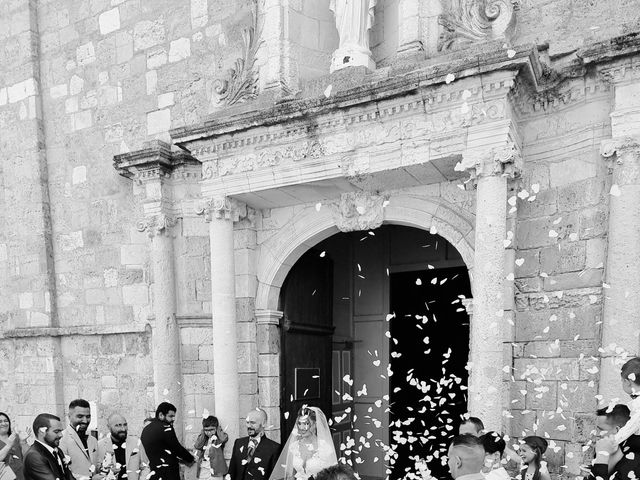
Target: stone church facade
(165,163)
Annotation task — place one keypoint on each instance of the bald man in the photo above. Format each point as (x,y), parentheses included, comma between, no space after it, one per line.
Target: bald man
(255,456)
(466,458)
(119,454)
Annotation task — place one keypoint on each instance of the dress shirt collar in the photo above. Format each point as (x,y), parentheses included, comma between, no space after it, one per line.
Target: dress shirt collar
(49,448)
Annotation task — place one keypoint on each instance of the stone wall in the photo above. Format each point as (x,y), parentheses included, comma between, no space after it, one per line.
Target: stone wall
(560,238)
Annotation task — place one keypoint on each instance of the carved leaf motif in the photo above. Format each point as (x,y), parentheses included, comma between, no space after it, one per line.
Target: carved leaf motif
(242,81)
(472,21)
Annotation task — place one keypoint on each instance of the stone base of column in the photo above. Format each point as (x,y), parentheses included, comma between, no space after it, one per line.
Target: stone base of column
(352,56)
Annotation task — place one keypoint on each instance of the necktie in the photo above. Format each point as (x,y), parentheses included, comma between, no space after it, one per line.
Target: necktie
(251,450)
(56,453)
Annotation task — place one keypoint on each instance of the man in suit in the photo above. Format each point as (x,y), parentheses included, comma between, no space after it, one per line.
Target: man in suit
(162,446)
(77,444)
(44,461)
(120,455)
(254,457)
(608,422)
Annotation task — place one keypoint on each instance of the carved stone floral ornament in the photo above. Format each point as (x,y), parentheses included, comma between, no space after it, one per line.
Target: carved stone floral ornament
(357,211)
(504,160)
(156,225)
(474,21)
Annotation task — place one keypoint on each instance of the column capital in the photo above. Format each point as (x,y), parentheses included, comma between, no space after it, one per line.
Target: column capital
(504,160)
(268,317)
(223,208)
(156,225)
(620,148)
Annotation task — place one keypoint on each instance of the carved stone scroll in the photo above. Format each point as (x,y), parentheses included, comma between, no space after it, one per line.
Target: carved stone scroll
(473,21)
(156,225)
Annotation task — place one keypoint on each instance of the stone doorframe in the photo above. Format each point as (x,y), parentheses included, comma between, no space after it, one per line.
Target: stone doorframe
(279,253)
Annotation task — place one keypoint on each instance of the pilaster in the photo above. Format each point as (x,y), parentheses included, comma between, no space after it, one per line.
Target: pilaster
(220,213)
(489,171)
(155,170)
(268,340)
(409,28)
(620,330)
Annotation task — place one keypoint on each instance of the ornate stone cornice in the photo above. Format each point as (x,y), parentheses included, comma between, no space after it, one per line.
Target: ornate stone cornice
(156,225)
(224,208)
(618,147)
(156,161)
(504,160)
(357,211)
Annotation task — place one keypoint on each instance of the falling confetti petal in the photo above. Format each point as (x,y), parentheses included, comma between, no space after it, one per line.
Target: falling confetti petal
(615,190)
(327,91)
(450,78)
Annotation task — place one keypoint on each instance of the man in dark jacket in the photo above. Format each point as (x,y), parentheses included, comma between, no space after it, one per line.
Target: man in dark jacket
(255,456)
(162,446)
(44,460)
(609,422)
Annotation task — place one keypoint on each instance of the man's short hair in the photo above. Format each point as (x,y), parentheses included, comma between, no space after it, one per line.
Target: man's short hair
(617,415)
(43,420)
(336,472)
(493,442)
(467,440)
(476,422)
(631,370)
(164,408)
(79,402)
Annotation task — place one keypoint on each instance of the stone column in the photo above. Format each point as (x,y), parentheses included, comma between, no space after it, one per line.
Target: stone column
(268,339)
(409,31)
(490,171)
(620,327)
(167,369)
(219,212)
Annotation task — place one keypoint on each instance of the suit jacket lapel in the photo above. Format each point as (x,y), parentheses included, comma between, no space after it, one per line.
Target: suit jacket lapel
(53,462)
(76,438)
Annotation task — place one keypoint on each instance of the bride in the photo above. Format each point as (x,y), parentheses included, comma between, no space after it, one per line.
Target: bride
(309,448)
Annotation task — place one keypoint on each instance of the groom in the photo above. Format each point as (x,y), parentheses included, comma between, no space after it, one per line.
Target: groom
(255,456)
(44,460)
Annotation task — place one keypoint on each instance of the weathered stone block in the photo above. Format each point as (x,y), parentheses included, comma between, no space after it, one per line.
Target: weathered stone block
(111,344)
(564,257)
(593,222)
(247,358)
(547,369)
(541,395)
(557,425)
(578,396)
(205,352)
(109,21)
(522,422)
(248,383)
(269,365)
(268,339)
(136,294)
(147,34)
(557,324)
(574,280)
(589,192)
(194,366)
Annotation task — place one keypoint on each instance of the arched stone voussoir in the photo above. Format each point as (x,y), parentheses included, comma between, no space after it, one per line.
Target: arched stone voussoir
(279,253)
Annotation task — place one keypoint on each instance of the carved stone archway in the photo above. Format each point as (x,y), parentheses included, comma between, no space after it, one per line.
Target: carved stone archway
(354,211)
(278,254)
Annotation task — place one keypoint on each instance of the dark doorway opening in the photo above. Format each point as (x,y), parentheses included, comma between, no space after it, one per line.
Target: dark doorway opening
(429,353)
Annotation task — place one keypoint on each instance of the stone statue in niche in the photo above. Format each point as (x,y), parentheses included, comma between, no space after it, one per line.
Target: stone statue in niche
(473,21)
(354,19)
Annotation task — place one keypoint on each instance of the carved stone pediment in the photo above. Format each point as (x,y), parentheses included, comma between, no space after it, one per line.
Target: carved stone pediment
(474,21)
(357,211)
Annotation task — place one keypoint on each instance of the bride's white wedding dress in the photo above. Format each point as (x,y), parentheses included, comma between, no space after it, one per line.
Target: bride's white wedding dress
(320,459)
(302,458)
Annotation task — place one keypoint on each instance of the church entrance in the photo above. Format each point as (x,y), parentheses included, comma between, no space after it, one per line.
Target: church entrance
(375,334)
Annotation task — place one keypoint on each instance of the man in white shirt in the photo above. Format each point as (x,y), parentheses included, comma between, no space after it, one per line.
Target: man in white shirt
(466,458)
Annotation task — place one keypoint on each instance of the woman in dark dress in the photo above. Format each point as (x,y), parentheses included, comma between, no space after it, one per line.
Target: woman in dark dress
(10,447)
